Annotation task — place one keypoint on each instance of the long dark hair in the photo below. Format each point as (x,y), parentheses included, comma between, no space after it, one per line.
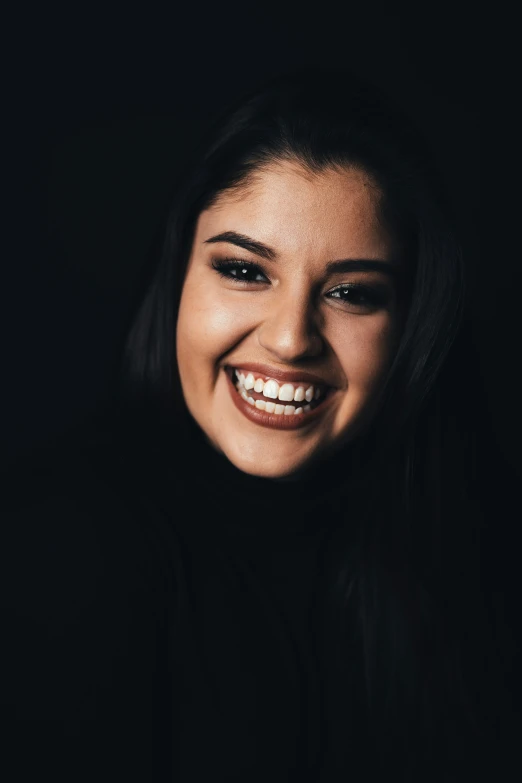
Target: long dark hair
(413,575)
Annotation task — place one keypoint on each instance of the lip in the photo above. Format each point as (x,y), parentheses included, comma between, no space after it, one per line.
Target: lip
(273,420)
(285,376)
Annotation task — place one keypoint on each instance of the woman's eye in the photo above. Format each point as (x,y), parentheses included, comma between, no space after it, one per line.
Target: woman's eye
(240,271)
(360,295)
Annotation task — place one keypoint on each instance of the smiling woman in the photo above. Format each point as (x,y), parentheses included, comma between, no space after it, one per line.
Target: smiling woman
(287,318)
(267,565)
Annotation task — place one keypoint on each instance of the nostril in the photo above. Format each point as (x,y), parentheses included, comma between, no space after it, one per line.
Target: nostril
(289,346)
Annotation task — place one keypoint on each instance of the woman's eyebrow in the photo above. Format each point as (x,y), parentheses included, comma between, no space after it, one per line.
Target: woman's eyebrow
(363,265)
(344,265)
(246,243)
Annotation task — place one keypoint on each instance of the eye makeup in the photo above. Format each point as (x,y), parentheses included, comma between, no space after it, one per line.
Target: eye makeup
(366,296)
(239,271)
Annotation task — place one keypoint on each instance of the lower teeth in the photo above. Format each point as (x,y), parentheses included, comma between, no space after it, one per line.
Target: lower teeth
(271,407)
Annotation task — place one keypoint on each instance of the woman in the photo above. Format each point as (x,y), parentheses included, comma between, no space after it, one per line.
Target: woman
(269,568)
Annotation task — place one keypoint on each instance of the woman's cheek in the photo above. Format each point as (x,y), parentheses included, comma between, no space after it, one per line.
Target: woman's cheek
(377,356)
(214,324)
(364,349)
(226,326)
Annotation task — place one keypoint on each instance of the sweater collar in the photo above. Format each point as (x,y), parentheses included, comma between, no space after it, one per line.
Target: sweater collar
(214,492)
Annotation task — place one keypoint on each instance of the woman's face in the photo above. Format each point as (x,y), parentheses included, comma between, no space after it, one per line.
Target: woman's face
(288,318)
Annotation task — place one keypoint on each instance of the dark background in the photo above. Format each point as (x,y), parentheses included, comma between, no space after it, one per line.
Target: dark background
(100,109)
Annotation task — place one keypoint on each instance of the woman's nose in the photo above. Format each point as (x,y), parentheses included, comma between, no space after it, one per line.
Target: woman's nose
(290,332)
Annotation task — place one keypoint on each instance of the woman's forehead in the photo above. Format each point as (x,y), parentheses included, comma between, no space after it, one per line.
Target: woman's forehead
(294,179)
(292,209)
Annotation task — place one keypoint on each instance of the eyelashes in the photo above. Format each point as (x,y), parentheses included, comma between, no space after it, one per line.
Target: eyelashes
(360,295)
(240,271)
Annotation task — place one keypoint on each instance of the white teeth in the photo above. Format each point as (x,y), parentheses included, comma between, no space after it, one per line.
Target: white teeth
(271,389)
(271,407)
(286,392)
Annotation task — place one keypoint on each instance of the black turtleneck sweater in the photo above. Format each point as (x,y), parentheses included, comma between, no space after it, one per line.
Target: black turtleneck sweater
(166,620)
(169,619)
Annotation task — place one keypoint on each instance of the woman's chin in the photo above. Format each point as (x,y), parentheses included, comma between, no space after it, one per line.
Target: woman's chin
(271,471)
(282,467)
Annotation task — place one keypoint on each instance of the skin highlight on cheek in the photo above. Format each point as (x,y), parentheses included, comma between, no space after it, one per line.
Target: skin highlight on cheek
(275,311)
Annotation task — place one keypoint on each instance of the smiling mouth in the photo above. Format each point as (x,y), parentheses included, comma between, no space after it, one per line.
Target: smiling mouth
(273,404)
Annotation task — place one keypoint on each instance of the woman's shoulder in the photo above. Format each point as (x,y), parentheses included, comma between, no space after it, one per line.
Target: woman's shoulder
(73,526)
(68,476)
(83,581)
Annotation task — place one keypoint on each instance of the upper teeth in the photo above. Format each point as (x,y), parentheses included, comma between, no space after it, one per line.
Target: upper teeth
(287,392)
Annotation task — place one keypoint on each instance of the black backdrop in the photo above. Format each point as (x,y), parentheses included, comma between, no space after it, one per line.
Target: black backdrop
(100,108)
(97,111)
